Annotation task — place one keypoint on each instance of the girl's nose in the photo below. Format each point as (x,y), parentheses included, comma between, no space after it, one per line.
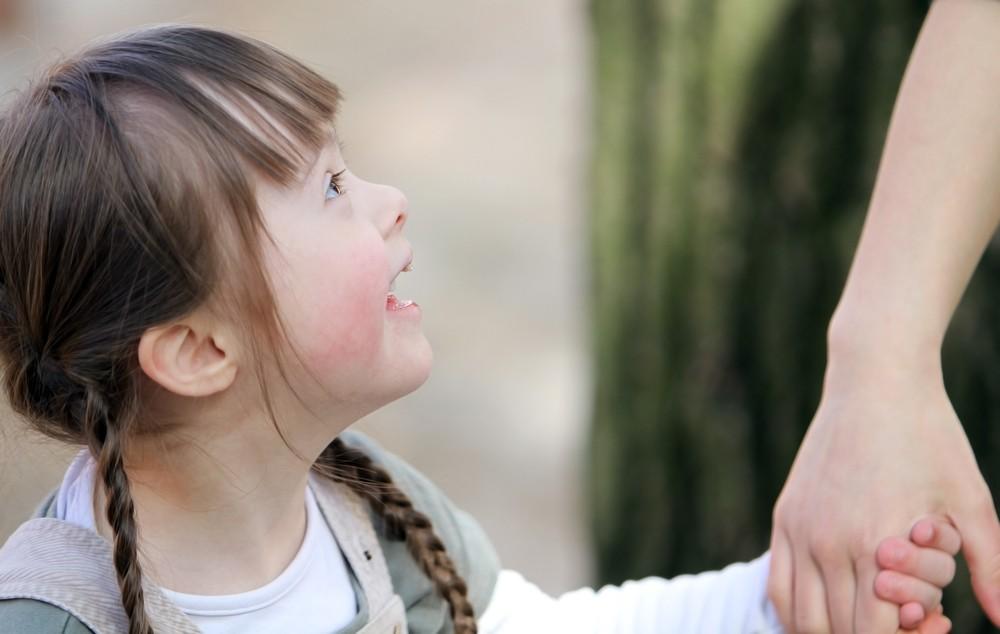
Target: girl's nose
(395,211)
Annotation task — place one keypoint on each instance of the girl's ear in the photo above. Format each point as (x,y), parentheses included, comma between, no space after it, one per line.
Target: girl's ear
(191,357)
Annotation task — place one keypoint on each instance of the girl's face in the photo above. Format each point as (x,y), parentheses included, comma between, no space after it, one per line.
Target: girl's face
(340,245)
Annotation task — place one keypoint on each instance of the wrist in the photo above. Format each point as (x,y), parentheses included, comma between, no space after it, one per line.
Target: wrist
(860,342)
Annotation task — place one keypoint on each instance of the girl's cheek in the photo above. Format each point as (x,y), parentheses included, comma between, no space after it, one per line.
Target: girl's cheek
(344,313)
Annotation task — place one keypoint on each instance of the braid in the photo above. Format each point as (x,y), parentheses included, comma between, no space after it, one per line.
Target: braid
(403,522)
(120,513)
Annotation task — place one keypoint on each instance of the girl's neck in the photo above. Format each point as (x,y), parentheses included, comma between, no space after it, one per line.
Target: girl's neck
(222,515)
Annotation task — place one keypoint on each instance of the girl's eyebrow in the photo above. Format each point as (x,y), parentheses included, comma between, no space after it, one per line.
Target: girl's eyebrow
(330,138)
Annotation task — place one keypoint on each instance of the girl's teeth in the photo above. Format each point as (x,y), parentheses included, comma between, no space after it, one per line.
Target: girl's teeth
(392,303)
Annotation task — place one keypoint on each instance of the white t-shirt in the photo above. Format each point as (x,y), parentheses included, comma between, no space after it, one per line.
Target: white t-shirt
(314,591)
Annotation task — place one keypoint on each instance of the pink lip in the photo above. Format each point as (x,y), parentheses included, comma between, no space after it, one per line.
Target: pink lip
(395,305)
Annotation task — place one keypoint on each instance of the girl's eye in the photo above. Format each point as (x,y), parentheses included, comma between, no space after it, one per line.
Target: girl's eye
(335,185)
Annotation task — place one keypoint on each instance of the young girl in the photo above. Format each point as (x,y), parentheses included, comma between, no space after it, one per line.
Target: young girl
(195,288)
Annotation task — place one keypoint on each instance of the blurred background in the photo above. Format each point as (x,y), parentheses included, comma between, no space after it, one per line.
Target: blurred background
(632,220)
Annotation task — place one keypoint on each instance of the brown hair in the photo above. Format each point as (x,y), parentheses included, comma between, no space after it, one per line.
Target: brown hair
(127,201)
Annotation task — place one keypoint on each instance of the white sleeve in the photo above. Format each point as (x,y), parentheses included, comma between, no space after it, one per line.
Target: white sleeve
(729,601)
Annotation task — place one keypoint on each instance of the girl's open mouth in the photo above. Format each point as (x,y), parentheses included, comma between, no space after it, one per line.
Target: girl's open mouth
(392,303)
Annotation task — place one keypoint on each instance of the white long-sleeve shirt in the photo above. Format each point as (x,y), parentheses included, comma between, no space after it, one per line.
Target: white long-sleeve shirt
(729,601)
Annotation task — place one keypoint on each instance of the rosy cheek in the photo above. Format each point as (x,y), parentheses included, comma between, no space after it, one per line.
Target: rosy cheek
(342,312)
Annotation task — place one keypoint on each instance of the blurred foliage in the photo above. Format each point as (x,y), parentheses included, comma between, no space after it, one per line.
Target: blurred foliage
(735,153)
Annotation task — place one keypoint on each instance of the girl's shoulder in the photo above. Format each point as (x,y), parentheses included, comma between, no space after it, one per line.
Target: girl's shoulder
(19,616)
(465,540)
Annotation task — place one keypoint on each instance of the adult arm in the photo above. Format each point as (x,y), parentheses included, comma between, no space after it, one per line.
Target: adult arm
(885,446)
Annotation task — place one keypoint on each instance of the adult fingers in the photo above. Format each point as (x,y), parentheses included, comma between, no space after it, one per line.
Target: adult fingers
(780,588)
(810,616)
(840,594)
(980,530)
(871,614)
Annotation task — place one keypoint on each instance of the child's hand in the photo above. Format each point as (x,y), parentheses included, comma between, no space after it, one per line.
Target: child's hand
(916,570)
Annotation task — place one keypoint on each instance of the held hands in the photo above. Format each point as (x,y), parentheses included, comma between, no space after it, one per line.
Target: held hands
(884,448)
(916,570)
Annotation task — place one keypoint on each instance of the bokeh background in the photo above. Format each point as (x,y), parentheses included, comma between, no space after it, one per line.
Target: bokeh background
(632,220)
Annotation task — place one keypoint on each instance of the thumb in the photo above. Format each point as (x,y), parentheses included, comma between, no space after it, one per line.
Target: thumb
(980,532)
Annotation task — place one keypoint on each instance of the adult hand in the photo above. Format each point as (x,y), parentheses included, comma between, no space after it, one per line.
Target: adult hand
(885,446)
(884,449)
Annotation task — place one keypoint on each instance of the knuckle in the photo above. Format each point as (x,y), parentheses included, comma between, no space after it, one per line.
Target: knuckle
(862,547)
(829,551)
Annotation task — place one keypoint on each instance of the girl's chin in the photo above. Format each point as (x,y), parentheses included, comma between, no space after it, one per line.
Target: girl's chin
(422,364)
(411,365)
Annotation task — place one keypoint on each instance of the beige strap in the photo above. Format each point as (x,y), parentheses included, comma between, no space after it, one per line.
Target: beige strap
(351,525)
(58,562)
(391,620)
